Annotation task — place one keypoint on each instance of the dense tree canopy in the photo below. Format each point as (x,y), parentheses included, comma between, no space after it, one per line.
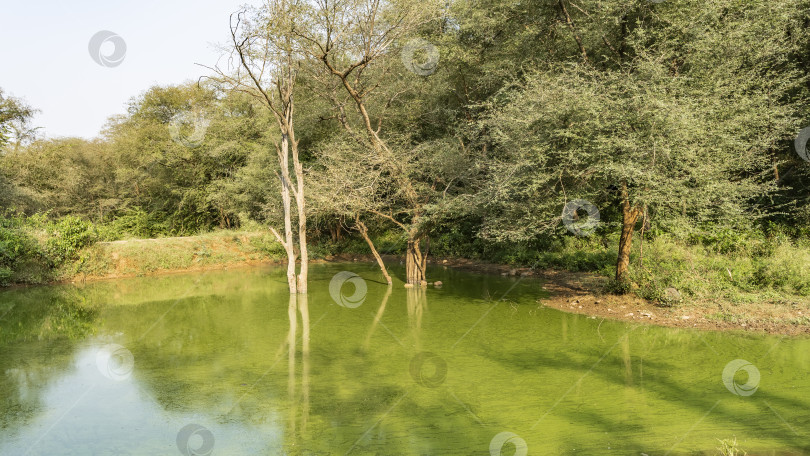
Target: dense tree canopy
(476,120)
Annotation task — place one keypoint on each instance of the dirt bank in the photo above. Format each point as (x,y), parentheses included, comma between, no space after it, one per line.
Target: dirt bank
(582,293)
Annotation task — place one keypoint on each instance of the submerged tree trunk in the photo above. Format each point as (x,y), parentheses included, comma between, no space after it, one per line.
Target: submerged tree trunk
(415,262)
(284,160)
(629,217)
(302,217)
(361,227)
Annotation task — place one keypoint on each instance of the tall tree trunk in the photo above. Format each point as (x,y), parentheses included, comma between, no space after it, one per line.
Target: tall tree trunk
(302,217)
(361,227)
(414,262)
(629,217)
(284,160)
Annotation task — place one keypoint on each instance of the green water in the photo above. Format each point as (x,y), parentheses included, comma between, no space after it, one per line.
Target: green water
(441,371)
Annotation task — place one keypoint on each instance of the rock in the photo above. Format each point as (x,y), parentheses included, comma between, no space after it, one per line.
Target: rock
(504,274)
(672,295)
(408,285)
(444,261)
(513,272)
(423,283)
(437,283)
(629,314)
(597,302)
(526,273)
(685,317)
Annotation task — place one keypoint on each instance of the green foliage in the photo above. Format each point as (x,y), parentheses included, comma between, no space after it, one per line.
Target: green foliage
(135,222)
(32,249)
(693,104)
(67,236)
(17,245)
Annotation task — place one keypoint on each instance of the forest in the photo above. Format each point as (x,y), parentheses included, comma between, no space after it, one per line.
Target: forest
(659,144)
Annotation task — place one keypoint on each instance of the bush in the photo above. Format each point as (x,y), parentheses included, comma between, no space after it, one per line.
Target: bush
(136,222)
(15,245)
(5,276)
(66,237)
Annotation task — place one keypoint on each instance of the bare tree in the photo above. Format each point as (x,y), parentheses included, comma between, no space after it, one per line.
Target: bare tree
(352,41)
(264,63)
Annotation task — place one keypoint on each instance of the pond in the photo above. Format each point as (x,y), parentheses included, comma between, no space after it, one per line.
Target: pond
(226,363)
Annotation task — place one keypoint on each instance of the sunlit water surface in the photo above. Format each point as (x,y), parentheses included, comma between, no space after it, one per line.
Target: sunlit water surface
(226,363)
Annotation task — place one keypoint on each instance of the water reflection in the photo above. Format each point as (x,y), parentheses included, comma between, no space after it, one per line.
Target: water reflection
(416,302)
(377,317)
(210,350)
(298,405)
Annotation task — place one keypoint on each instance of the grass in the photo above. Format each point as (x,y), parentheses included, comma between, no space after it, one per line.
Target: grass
(143,256)
(779,274)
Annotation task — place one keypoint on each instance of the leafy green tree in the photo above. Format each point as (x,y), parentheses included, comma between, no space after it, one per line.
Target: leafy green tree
(677,133)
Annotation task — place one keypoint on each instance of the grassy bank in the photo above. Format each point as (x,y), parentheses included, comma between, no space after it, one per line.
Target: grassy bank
(727,280)
(137,257)
(36,250)
(667,270)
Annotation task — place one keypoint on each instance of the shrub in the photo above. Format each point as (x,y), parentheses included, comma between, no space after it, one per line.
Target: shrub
(138,223)
(66,237)
(15,245)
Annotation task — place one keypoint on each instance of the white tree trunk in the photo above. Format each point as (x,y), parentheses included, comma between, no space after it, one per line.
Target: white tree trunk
(302,221)
(284,161)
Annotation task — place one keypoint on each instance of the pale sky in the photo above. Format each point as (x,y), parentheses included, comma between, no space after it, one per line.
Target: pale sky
(44,56)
